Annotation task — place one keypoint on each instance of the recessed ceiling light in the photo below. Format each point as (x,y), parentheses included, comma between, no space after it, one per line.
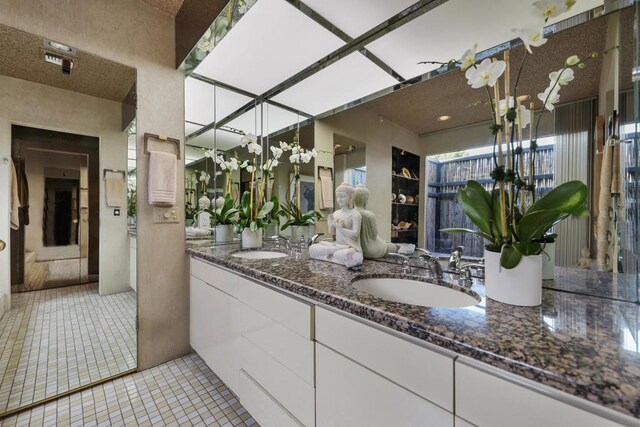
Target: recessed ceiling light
(59,46)
(523,98)
(337,146)
(443,118)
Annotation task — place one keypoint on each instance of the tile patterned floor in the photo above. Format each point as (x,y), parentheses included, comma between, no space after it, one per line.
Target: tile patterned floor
(182,392)
(56,340)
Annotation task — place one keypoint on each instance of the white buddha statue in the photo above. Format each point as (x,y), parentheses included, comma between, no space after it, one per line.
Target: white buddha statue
(346,224)
(204,218)
(373,247)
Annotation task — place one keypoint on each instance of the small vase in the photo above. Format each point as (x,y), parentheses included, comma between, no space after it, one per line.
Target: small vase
(521,285)
(224,233)
(251,239)
(300,232)
(548,261)
(270,230)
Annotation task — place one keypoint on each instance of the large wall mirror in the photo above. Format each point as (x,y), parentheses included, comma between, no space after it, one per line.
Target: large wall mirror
(415,132)
(68,288)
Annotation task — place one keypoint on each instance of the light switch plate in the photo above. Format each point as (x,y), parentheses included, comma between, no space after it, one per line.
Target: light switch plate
(165,215)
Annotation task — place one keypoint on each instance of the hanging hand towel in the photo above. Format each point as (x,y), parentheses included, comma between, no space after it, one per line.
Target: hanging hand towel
(14,217)
(114,190)
(162,178)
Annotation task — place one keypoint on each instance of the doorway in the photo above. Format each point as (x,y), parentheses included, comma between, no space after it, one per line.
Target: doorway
(52,244)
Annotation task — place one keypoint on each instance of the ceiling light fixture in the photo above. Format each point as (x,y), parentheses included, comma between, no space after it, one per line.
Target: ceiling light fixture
(443,118)
(337,146)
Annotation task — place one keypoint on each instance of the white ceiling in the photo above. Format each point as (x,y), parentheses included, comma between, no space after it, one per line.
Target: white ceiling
(274,41)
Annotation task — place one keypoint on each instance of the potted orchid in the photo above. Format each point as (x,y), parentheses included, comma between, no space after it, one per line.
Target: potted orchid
(254,210)
(300,222)
(515,224)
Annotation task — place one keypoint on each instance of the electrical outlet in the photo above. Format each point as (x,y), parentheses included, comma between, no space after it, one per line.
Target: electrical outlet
(165,215)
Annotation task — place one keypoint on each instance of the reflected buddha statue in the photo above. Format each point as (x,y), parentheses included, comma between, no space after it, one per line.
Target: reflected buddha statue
(373,247)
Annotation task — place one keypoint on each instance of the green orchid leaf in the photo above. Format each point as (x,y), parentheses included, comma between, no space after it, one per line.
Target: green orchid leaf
(467,230)
(509,257)
(569,197)
(475,202)
(265,210)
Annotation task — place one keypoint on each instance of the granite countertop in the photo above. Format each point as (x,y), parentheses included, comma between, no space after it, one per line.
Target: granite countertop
(584,345)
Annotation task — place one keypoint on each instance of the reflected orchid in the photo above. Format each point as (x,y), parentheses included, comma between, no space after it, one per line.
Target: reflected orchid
(485,74)
(468,58)
(530,36)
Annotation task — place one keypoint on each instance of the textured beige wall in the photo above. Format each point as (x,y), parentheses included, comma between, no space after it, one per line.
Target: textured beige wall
(137,35)
(362,125)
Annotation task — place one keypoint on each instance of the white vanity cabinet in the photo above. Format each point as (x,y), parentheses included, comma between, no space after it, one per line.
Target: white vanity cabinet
(483,399)
(215,320)
(368,377)
(277,355)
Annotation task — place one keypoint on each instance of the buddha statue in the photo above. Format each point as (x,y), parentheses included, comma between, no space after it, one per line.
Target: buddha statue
(346,224)
(373,247)
(204,218)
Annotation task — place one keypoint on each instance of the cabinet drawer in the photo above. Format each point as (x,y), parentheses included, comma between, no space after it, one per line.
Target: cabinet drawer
(284,345)
(424,372)
(215,330)
(287,388)
(262,407)
(224,280)
(350,395)
(287,311)
(487,400)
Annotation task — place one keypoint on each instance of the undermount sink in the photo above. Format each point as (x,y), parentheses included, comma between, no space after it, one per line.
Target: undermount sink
(415,292)
(259,255)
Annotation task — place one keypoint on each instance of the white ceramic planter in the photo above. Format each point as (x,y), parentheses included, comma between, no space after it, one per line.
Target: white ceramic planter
(224,233)
(548,261)
(521,285)
(299,232)
(251,239)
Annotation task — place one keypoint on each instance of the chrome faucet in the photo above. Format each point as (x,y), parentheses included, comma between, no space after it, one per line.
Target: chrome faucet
(432,263)
(314,238)
(455,259)
(277,239)
(406,264)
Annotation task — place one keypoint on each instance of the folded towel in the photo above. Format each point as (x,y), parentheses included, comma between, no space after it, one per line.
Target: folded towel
(14,220)
(162,178)
(406,248)
(114,190)
(193,232)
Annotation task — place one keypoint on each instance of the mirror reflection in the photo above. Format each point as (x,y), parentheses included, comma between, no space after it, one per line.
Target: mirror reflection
(69,301)
(416,133)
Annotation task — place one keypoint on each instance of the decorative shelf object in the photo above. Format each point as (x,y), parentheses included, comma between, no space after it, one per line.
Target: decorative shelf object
(405,179)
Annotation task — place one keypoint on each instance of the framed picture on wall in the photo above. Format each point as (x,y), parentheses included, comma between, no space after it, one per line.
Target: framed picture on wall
(307,191)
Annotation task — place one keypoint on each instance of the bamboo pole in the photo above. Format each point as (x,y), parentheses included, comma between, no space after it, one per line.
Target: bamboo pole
(532,177)
(521,155)
(603,209)
(503,214)
(507,133)
(296,171)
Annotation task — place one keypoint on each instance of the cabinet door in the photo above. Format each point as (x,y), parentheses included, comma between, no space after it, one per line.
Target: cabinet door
(347,394)
(215,330)
(486,400)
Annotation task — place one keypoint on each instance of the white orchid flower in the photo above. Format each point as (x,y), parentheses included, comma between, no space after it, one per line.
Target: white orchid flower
(248,139)
(295,149)
(210,154)
(250,168)
(468,58)
(550,97)
(503,107)
(254,148)
(314,153)
(523,117)
(284,146)
(294,158)
(233,164)
(274,163)
(306,156)
(487,73)
(276,152)
(530,36)
(562,77)
(553,8)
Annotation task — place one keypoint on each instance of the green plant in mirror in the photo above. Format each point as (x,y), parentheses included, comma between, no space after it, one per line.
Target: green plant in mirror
(226,215)
(294,215)
(530,229)
(250,218)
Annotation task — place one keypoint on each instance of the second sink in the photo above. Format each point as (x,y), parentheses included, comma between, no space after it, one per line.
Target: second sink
(416,292)
(259,255)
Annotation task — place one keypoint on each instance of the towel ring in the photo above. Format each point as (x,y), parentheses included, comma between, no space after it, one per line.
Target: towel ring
(162,138)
